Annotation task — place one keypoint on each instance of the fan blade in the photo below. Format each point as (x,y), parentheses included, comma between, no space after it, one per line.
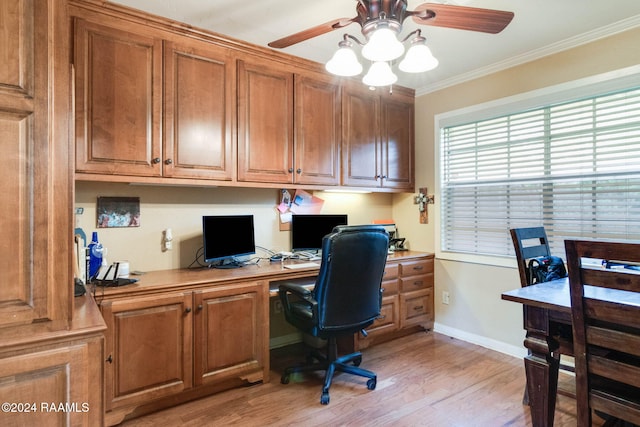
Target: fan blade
(318,30)
(462,17)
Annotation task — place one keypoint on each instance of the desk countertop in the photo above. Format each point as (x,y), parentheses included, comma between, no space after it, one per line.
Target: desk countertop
(155,281)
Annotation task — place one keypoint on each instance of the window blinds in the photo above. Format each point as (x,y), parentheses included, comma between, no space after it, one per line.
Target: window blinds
(572,167)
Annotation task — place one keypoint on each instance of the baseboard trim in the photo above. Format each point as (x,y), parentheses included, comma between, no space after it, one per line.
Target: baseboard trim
(480,340)
(285,340)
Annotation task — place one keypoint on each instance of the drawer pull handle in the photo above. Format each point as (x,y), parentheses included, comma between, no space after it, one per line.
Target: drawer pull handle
(381,317)
(418,308)
(418,267)
(417,283)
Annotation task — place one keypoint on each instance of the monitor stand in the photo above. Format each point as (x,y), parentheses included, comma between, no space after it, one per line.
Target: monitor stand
(227,264)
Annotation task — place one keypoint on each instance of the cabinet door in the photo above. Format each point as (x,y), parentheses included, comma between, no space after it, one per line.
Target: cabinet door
(36,177)
(317,131)
(265,123)
(361,143)
(199,111)
(118,100)
(148,348)
(232,333)
(397,142)
(42,380)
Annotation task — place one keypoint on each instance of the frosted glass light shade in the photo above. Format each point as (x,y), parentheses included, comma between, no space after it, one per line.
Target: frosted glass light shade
(418,59)
(344,63)
(383,46)
(380,74)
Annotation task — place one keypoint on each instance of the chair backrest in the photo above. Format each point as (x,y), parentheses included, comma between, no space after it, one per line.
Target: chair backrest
(529,242)
(347,289)
(605,310)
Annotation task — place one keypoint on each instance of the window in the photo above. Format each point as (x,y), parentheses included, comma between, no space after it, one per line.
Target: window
(573,167)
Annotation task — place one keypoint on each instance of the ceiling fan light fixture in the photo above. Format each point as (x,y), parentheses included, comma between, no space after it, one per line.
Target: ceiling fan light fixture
(418,58)
(344,62)
(383,45)
(380,74)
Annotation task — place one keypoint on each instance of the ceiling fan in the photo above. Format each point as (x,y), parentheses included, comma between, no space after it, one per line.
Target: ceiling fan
(370,13)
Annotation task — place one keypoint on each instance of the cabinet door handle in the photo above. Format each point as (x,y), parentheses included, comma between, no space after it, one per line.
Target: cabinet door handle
(384,176)
(110,359)
(199,307)
(290,170)
(298,171)
(187,310)
(156,160)
(377,177)
(168,161)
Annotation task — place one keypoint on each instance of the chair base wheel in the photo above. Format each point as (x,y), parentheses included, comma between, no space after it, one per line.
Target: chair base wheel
(371,384)
(324,399)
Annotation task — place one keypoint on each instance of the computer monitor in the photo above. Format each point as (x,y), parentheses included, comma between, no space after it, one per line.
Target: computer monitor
(225,237)
(307,231)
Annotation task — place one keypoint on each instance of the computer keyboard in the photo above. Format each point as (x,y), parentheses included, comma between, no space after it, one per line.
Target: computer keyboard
(302,265)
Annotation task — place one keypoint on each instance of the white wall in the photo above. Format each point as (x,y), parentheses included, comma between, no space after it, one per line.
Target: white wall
(182,208)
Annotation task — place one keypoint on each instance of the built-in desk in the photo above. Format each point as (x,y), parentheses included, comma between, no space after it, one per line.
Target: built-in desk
(177,335)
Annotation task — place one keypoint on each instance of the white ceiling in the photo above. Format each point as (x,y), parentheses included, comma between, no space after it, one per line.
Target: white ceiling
(540,27)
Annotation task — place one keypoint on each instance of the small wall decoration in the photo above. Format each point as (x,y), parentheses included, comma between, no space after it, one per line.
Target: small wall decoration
(118,212)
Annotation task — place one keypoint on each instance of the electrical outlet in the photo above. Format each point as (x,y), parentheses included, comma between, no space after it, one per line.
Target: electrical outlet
(445,297)
(277,306)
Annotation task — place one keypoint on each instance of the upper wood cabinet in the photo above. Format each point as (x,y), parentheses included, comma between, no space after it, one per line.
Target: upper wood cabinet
(36,174)
(318,128)
(378,143)
(199,115)
(118,99)
(288,126)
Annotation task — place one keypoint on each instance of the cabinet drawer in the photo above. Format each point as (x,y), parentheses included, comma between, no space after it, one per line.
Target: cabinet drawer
(388,320)
(389,287)
(415,283)
(412,268)
(390,271)
(416,308)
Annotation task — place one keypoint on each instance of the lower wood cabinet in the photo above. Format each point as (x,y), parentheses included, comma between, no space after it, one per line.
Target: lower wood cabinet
(165,348)
(407,300)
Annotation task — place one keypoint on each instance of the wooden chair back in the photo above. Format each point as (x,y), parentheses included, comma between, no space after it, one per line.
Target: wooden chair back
(529,242)
(605,309)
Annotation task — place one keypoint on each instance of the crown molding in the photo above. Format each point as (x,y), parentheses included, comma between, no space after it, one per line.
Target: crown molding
(579,40)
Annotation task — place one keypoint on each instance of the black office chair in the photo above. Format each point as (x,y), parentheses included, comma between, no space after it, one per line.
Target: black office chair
(345,300)
(528,243)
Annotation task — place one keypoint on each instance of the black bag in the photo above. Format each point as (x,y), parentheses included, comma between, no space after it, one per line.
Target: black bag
(545,269)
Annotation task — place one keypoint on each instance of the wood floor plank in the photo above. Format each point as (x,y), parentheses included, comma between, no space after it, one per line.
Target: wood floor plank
(424,379)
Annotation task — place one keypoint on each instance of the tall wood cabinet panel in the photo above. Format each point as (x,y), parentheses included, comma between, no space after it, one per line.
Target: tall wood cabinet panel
(361,138)
(148,347)
(35,217)
(230,334)
(265,123)
(378,140)
(199,110)
(317,130)
(397,141)
(118,99)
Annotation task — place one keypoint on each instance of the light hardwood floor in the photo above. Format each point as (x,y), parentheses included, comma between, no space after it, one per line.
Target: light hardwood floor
(424,379)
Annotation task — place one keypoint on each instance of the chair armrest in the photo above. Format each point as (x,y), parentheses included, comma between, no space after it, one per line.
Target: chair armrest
(299,294)
(296,289)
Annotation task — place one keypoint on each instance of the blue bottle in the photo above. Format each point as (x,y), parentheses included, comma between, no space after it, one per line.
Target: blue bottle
(95,255)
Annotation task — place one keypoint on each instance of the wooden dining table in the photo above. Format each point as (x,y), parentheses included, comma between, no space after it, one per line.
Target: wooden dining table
(547,309)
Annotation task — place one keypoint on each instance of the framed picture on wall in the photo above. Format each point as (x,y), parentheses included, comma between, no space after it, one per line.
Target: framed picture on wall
(118,212)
